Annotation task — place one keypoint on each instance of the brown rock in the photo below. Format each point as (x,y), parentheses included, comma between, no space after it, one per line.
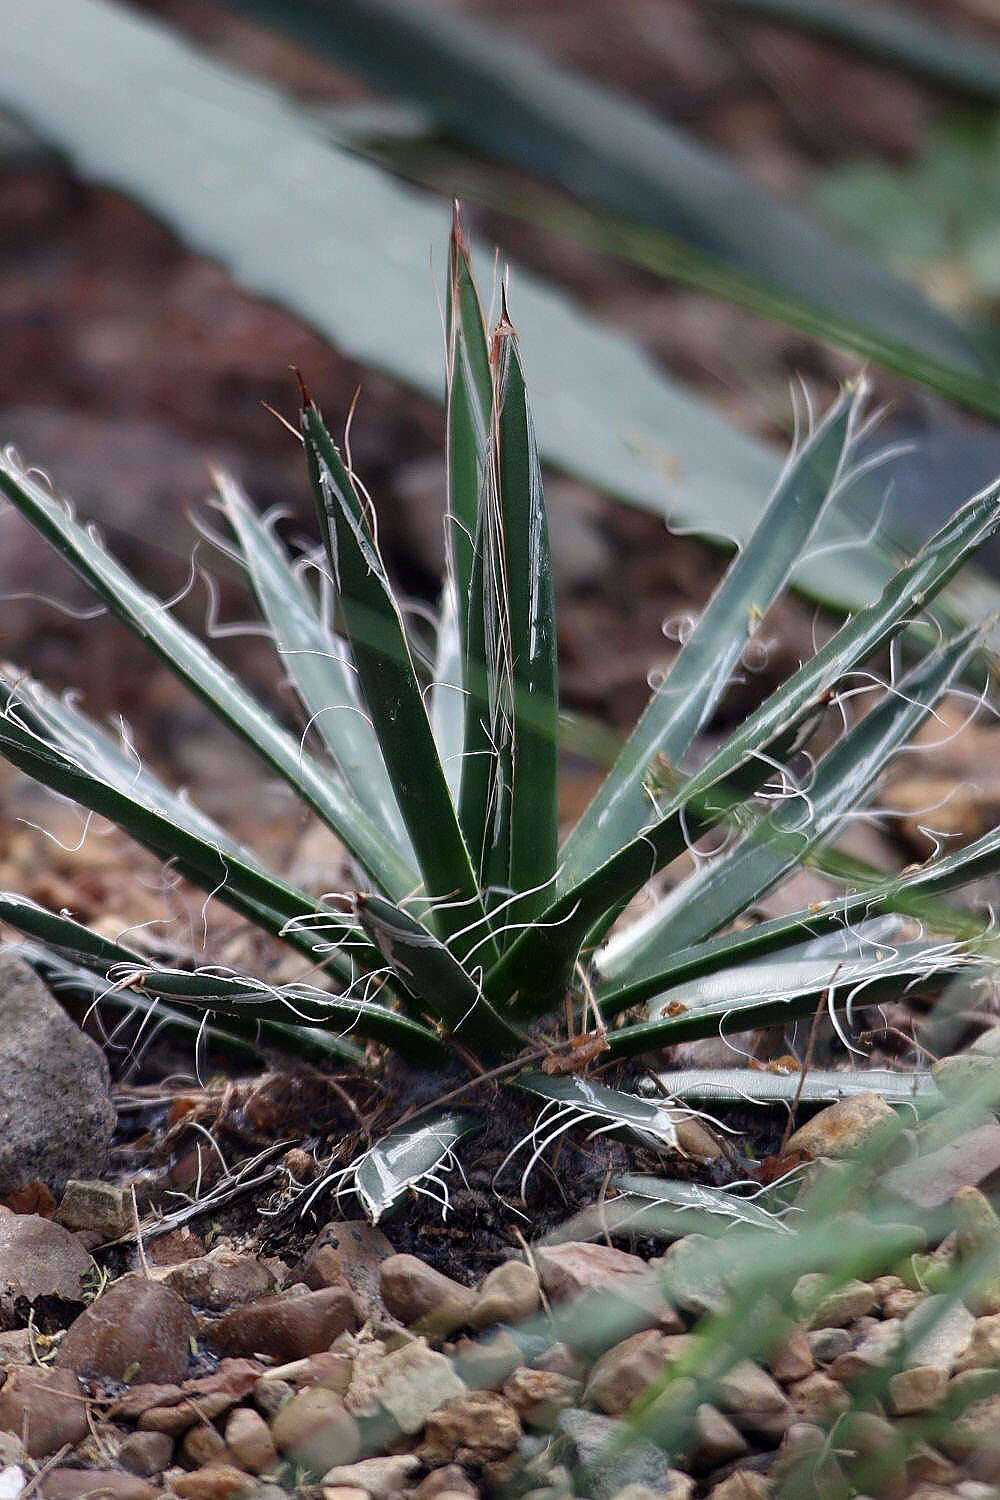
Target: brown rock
(249,1440)
(975,1433)
(539,1395)
(202,1444)
(747,1392)
(146,1453)
(576,1267)
(422,1298)
(508,1294)
(474,1429)
(623,1373)
(920,1388)
(286,1327)
(234,1379)
(140,1398)
(94,1484)
(219,1280)
(41,1259)
(45,1408)
(349,1253)
(715,1441)
(870,1353)
(316,1430)
(745,1484)
(135,1329)
(793,1358)
(216,1482)
(818,1398)
(450,1479)
(845,1128)
(15,1348)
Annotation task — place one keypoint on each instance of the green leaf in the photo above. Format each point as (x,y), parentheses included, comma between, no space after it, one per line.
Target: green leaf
(238,174)
(515,105)
(648,1121)
(469,404)
(762,995)
(698,676)
(898,37)
(255,1037)
(469,408)
(517,705)
(436,981)
(730,884)
(286,1008)
(317,661)
(691,1201)
(542,954)
(164,824)
(409,1158)
(389,684)
(820,1086)
(195,665)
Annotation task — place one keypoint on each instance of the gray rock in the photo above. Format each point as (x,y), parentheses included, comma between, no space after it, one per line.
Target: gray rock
(413,1382)
(56,1115)
(689,1280)
(852,1300)
(96,1206)
(588,1438)
(950,1327)
(41,1259)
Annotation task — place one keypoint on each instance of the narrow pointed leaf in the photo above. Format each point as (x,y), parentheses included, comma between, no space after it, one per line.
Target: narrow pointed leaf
(216,865)
(698,676)
(554,941)
(518,702)
(286,1009)
(428,972)
(255,1037)
(409,1158)
(389,684)
(194,664)
(448,693)
(897,37)
(134,107)
(316,660)
(733,882)
(596,1101)
(470,402)
(820,1086)
(691,1198)
(516,105)
(735,1000)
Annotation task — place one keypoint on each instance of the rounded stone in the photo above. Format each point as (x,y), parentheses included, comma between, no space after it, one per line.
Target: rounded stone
(45,1407)
(316,1430)
(136,1330)
(286,1327)
(509,1294)
(56,1115)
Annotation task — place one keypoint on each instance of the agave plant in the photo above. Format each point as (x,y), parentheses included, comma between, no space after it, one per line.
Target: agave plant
(468,926)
